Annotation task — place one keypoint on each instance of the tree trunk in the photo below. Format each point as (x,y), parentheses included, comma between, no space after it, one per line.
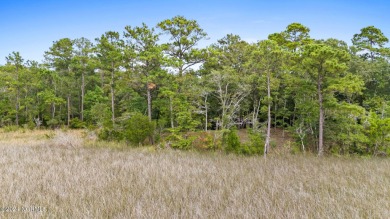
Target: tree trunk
(284,112)
(151,139)
(292,120)
(112,95)
(53,105)
(68,100)
(26,108)
(275,116)
(171,111)
(102,78)
(17,107)
(82,96)
(321,119)
(268,138)
(148,93)
(53,110)
(17,98)
(181,71)
(255,116)
(206,113)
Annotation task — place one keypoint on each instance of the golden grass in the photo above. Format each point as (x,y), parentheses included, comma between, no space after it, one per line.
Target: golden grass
(45,179)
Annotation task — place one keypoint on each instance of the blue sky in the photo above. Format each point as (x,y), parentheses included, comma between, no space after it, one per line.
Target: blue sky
(30,27)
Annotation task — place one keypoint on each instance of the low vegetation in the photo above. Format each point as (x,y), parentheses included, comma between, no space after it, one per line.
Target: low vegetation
(57,174)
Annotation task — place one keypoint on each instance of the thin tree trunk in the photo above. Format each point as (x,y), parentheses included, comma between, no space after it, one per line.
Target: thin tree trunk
(112,95)
(53,110)
(206,113)
(68,100)
(53,106)
(256,109)
(321,119)
(17,97)
(284,112)
(181,71)
(292,121)
(151,139)
(26,109)
(267,141)
(171,111)
(102,78)
(17,107)
(275,110)
(82,96)
(148,93)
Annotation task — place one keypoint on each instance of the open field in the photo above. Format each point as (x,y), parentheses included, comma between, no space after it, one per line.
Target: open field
(41,177)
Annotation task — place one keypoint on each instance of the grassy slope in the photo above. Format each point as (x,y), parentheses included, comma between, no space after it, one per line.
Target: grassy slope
(75,182)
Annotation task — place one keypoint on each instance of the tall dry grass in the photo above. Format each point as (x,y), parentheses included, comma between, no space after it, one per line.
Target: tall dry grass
(55,181)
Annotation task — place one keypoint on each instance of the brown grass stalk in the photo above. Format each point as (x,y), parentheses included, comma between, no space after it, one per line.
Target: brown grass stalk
(39,179)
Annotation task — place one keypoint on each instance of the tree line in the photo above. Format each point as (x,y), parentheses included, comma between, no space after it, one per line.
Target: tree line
(333,97)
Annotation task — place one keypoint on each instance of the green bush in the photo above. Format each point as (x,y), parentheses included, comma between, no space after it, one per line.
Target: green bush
(99,115)
(76,123)
(137,128)
(254,146)
(11,128)
(184,143)
(257,142)
(110,134)
(295,149)
(53,123)
(205,141)
(233,145)
(232,141)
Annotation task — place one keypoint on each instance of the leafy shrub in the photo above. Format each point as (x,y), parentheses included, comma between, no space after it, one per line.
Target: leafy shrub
(254,146)
(53,123)
(11,128)
(233,144)
(110,134)
(137,128)
(76,123)
(247,149)
(232,141)
(181,142)
(100,114)
(204,141)
(184,143)
(295,149)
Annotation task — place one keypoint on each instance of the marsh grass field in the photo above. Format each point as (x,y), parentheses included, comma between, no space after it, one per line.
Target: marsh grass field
(46,174)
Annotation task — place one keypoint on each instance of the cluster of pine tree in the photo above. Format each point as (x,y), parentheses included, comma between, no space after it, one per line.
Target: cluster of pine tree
(331,96)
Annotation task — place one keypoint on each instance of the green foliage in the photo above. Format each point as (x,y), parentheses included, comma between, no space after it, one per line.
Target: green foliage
(53,123)
(378,132)
(201,141)
(137,128)
(295,149)
(179,141)
(11,128)
(255,146)
(95,96)
(100,115)
(185,34)
(185,121)
(318,89)
(231,141)
(370,40)
(206,140)
(76,123)
(110,134)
